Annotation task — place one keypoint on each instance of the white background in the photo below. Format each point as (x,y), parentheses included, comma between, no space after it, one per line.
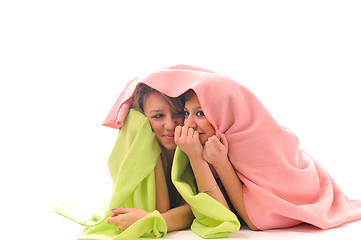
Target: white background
(64,63)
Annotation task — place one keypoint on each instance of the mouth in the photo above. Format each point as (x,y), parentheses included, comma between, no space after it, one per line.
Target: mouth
(169,137)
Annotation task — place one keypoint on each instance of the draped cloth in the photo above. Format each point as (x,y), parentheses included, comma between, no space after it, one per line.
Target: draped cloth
(282,185)
(131,165)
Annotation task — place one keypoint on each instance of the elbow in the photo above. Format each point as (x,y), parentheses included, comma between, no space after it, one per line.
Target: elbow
(253,227)
(163,209)
(250,225)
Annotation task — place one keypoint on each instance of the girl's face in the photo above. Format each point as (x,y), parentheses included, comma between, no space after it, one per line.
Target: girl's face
(162,120)
(195,118)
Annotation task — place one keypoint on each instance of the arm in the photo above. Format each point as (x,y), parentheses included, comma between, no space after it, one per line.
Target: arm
(216,155)
(188,140)
(161,191)
(178,218)
(234,190)
(205,180)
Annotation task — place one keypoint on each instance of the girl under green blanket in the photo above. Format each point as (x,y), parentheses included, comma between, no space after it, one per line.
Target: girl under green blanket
(164,114)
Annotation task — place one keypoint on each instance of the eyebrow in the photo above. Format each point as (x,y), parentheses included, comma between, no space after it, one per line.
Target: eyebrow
(156,111)
(194,108)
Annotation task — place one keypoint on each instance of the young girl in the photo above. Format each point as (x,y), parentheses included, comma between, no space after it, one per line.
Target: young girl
(198,140)
(268,181)
(164,114)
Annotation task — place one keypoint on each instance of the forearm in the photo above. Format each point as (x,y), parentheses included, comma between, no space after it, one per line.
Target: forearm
(206,180)
(162,199)
(178,218)
(234,189)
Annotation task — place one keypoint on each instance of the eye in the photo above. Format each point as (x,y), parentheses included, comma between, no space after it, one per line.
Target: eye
(158,115)
(185,113)
(200,114)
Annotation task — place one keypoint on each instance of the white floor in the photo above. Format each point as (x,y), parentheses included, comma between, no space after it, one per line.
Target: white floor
(66,229)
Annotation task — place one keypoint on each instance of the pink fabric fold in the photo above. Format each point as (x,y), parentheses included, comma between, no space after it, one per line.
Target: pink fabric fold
(283,185)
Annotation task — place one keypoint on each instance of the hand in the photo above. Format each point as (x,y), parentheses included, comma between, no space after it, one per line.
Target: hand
(124,217)
(187,139)
(215,151)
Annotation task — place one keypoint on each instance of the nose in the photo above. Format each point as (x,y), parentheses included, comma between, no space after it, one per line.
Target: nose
(189,122)
(170,123)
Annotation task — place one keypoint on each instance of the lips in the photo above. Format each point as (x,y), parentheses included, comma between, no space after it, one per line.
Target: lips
(169,137)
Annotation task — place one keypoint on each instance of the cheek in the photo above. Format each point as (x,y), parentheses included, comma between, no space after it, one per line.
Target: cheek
(209,129)
(156,126)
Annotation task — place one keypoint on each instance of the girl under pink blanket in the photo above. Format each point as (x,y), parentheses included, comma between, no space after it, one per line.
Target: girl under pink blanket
(267,179)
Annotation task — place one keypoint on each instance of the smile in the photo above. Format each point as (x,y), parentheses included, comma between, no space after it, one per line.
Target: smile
(169,137)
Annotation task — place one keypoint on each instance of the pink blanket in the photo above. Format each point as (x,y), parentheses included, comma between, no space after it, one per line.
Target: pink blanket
(283,186)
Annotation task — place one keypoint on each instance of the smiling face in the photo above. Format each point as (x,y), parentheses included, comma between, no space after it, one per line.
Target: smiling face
(161,118)
(195,118)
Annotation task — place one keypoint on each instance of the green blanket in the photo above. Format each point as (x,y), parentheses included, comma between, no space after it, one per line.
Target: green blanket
(131,165)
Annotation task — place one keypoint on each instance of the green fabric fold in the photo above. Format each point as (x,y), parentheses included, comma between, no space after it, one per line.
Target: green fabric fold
(131,165)
(212,219)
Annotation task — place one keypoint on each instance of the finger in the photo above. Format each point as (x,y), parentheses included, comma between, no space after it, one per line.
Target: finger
(112,220)
(184,131)
(117,221)
(118,211)
(190,133)
(213,141)
(217,145)
(224,140)
(177,133)
(196,134)
(207,144)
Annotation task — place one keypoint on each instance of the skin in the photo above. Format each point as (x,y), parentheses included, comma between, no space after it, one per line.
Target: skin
(163,122)
(195,119)
(196,138)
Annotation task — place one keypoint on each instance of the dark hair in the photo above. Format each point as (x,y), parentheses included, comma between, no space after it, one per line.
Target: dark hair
(176,104)
(188,94)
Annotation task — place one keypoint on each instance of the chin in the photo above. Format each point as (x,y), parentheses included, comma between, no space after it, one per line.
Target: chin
(169,146)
